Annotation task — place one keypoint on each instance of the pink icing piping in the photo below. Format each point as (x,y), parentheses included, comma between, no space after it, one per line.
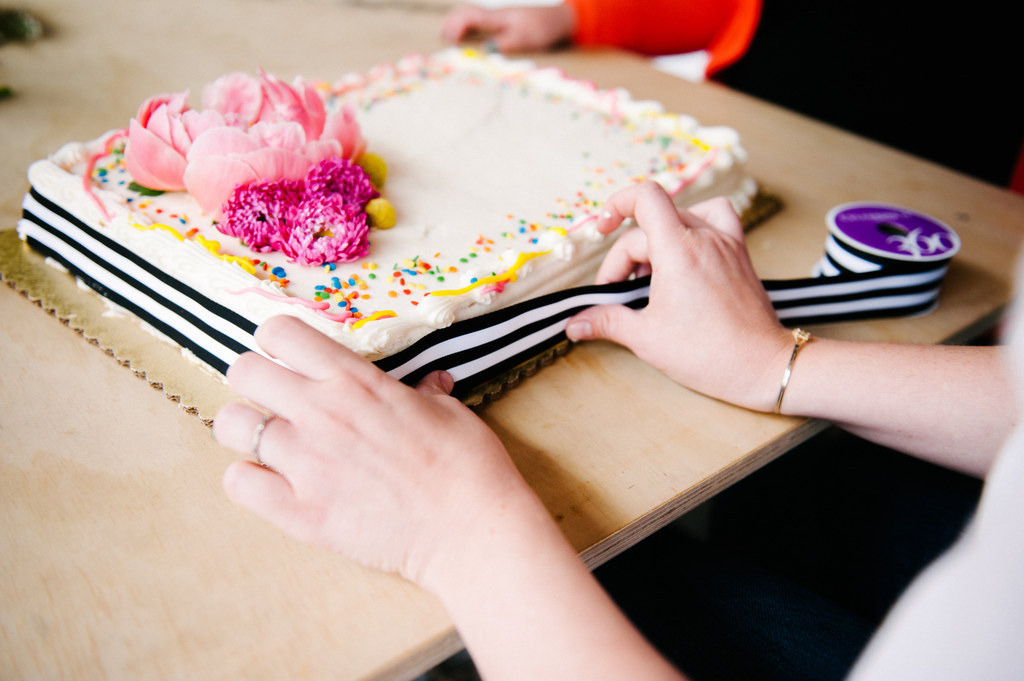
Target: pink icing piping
(91,165)
(318,308)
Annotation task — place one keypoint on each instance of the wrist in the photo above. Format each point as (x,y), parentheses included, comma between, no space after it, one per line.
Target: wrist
(505,529)
(807,374)
(765,371)
(800,339)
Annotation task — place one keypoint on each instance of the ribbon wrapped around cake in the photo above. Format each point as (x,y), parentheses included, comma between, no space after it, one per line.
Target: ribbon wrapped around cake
(880,261)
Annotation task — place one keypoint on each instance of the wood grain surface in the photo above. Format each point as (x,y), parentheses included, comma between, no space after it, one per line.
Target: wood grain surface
(120,556)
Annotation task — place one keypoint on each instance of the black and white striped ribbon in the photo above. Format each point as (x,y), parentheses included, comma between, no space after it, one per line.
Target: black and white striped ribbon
(895,272)
(854,280)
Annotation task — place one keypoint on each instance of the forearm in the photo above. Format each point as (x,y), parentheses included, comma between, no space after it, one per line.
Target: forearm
(946,404)
(949,405)
(528,608)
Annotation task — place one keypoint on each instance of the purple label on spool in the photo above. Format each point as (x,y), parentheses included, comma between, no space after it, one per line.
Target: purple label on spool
(892,232)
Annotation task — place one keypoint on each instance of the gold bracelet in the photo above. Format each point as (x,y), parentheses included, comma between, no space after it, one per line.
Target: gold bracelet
(800,337)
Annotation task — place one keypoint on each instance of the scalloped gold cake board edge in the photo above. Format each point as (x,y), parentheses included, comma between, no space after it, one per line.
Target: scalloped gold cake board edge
(163,365)
(195,388)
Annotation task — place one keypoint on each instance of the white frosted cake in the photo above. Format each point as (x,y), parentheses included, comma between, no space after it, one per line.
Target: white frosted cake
(494,169)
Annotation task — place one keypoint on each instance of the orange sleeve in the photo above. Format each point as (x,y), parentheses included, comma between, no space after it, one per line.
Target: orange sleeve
(1017,181)
(723,27)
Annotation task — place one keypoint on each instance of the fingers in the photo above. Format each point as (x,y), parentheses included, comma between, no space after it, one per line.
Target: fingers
(511,29)
(658,221)
(458,22)
(656,213)
(647,203)
(629,255)
(615,323)
(261,491)
(304,354)
(657,234)
(719,214)
(464,21)
(436,383)
(249,431)
(306,350)
(274,387)
(235,425)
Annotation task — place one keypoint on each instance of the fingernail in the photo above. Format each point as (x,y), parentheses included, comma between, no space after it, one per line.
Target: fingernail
(579,330)
(447,382)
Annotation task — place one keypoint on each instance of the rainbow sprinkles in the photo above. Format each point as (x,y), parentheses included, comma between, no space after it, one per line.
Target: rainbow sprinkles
(431,190)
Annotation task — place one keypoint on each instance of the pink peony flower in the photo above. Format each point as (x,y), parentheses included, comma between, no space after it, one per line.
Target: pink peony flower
(298,103)
(245,100)
(223,158)
(249,131)
(238,96)
(159,138)
(344,128)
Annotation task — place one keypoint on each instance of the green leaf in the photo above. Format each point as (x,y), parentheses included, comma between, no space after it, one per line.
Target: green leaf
(145,191)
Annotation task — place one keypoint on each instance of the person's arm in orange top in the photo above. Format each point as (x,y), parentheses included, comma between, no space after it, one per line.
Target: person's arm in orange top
(724,28)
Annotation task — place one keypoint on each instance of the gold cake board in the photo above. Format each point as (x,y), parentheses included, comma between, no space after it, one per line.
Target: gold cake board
(197,389)
(121,336)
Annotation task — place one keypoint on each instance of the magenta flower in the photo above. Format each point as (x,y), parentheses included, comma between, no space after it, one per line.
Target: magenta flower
(259,212)
(342,177)
(316,220)
(326,229)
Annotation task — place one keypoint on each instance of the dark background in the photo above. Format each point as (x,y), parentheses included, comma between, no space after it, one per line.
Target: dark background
(943,83)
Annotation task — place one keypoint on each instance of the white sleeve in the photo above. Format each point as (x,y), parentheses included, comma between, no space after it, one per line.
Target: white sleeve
(963,618)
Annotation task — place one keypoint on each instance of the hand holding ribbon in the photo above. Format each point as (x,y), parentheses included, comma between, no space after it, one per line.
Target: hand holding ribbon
(708,324)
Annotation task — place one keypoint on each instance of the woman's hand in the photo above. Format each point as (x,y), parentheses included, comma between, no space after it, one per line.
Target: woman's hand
(411,481)
(355,461)
(511,29)
(709,324)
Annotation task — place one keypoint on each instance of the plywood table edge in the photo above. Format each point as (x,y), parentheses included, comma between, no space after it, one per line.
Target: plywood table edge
(444,646)
(982,326)
(689,499)
(424,658)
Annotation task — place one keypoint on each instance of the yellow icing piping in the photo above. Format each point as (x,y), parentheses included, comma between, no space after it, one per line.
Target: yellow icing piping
(507,275)
(212,246)
(382,314)
(156,225)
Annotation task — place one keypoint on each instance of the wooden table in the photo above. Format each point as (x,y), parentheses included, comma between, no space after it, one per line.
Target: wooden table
(120,556)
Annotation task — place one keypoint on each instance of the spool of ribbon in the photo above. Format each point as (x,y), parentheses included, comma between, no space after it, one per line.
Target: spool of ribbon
(880,261)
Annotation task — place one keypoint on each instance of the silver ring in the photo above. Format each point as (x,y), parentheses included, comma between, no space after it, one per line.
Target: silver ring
(257,436)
